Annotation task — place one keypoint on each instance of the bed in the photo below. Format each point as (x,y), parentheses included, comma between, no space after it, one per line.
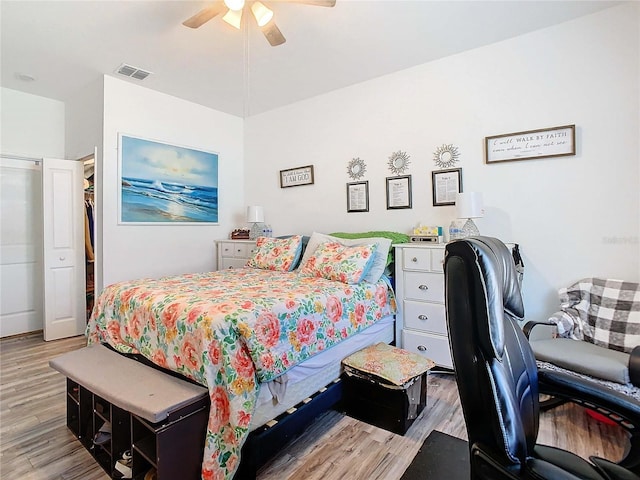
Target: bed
(262,338)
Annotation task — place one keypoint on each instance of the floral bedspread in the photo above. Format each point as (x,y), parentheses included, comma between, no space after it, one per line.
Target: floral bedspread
(230,330)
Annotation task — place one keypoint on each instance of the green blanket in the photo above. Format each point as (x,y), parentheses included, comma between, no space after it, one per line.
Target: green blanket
(395,237)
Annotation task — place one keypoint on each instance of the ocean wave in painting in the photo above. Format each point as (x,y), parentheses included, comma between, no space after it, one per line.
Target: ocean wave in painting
(155,201)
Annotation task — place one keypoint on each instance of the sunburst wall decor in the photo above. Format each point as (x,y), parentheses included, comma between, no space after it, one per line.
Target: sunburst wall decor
(356,168)
(398,162)
(446,156)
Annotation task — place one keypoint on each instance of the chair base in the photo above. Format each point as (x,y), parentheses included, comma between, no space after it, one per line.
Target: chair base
(551,402)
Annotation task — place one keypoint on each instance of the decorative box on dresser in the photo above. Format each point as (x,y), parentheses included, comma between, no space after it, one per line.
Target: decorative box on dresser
(421,325)
(234,253)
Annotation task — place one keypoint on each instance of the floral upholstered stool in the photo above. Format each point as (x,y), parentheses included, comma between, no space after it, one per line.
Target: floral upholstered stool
(385,386)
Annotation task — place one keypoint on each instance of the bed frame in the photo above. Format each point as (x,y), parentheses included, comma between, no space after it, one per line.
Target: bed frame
(267,440)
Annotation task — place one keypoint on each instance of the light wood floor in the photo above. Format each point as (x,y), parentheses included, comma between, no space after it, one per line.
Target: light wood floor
(36,445)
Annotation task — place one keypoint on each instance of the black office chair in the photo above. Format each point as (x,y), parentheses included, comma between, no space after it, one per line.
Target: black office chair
(496,371)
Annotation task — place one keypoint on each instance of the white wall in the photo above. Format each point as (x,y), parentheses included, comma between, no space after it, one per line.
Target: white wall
(573,216)
(134,251)
(84,126)
(83,120)
(31,126)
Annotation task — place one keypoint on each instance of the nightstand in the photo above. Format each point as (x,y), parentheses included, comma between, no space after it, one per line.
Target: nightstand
(421,324)
(234,253)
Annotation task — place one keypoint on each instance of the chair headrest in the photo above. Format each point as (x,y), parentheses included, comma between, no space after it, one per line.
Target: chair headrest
(502,294)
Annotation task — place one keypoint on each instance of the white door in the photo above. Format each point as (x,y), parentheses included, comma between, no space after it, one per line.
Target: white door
(20,246)
(64,250)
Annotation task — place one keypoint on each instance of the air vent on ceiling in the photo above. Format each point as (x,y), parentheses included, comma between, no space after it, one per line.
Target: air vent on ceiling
(133,72)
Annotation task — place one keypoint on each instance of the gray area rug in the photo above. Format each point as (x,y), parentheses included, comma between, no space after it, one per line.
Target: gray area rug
(440,457)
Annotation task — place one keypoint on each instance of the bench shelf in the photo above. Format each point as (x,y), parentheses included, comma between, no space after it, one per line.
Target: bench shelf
(173,448)
(160,419)
(86,414)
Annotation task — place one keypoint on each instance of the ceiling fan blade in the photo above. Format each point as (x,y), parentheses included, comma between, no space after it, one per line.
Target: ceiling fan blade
(317,3)
(204,15)
(273,34)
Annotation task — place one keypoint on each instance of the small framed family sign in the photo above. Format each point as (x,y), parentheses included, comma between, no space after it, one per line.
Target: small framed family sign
(296,176)
(542,143)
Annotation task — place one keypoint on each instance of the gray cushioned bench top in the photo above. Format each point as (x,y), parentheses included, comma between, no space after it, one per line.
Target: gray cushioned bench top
(127,383)
(584,357)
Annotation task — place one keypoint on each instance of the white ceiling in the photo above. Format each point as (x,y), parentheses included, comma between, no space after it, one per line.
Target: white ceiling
(66,45)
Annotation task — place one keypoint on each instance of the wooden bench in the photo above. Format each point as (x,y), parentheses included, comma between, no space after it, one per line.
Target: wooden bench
(160,418)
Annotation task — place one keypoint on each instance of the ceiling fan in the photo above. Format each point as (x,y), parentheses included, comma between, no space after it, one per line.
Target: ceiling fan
(262,14)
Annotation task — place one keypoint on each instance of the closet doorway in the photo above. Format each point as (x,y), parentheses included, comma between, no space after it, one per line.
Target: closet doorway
(89,229)
(42,247)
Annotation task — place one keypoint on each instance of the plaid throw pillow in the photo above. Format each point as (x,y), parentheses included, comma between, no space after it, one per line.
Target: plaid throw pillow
(608,312)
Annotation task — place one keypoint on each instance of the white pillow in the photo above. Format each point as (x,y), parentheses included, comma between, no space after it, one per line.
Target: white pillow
(379,257)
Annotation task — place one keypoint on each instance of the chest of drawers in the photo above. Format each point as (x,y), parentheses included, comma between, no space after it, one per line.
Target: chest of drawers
(421,325)
(234,253)
(421,321)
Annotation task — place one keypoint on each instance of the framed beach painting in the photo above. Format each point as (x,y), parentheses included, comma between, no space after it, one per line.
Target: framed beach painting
(166,184)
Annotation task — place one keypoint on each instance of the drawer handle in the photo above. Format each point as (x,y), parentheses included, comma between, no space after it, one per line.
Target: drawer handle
(423,287)
(422,348)
(414,259)
(423,317)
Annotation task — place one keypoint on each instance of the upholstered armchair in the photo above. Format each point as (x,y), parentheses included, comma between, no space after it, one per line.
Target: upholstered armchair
(497,376)
(596,333)
(592,343)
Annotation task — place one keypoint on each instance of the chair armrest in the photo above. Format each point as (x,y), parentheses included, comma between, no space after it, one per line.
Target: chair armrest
(581,391)
(528,327)
(634,366)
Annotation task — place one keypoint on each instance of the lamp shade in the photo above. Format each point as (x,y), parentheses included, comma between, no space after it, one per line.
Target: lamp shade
(234,4)
(255,214)
(469,205)
(233,18)
(262,14)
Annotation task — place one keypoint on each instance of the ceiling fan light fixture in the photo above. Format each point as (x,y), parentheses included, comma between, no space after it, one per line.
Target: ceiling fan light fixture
(262,14)
(233,18)
(234,4)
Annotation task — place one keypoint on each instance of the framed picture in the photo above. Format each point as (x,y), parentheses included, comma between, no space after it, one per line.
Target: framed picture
(358,196)
(542,143)
(296,176)
(398,192)
(161,183)
(445,184)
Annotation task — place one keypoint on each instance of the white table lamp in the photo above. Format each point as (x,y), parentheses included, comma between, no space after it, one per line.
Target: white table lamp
(469,205)
(255,215)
